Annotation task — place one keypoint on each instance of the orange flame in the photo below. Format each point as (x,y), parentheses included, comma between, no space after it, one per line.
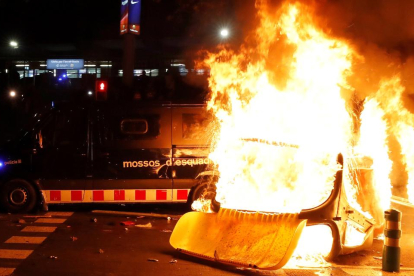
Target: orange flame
(300,123)
(286,109)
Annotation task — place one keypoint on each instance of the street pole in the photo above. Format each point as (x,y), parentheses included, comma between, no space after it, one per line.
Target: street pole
(128,60)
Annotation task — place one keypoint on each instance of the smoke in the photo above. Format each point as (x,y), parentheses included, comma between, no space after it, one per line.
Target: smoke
(387,24)
(382,33)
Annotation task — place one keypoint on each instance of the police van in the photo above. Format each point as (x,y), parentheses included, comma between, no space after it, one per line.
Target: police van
(105,152)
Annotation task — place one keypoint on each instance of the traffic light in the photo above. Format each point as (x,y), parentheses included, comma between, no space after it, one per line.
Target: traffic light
(101,90)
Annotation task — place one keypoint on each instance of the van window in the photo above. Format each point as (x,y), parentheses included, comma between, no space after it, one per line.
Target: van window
(64,128)
(134,126)
(120,128)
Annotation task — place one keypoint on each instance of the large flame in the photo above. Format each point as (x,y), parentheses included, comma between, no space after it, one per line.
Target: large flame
(280,132)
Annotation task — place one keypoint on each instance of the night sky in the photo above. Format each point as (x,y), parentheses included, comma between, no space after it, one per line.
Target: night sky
(72,21)
(388,24)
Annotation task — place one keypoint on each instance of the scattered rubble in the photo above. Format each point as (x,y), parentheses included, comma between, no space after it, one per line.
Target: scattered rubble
(173,261)
(94,220)
(138,215)
(166,231)
(74,238)
(152,260)
(53,257)
(101,251)
(127,223)
(148,225)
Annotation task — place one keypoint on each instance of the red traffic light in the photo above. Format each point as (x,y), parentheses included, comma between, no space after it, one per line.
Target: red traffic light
(101,89)
(101,86)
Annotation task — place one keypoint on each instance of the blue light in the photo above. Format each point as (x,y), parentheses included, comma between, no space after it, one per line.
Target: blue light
(64,76)
(60,79)
(1,164)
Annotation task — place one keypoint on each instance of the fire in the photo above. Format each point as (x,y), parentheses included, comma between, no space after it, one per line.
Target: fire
(401,123)
(286,109)
(314,244)
(299,121)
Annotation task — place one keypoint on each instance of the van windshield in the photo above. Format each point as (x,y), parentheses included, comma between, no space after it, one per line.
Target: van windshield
(26,131)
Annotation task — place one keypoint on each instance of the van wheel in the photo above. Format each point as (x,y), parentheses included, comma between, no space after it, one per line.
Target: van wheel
(18,196)
(207,189)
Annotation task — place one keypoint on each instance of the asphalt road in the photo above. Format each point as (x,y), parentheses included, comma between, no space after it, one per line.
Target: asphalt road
(71,240)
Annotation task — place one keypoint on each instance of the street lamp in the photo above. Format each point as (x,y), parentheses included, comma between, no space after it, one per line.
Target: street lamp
(14,44)
(12,94)
(224,33)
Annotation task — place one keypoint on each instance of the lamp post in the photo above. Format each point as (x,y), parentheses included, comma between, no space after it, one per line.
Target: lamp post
(14,44)
(224,33)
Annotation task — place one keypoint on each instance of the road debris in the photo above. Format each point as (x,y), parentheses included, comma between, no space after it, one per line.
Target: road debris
(126,229)
(101,251)
(148,225)
(166,231)
(127,223)
(104,212)
(94,220)
(140,217)
(74,238)
(53,257)
(152,260)
(173,261)
(41,216)
(377,258)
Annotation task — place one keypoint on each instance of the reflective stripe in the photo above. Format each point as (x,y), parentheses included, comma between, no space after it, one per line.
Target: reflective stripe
(181,195)
(393,225)
(136,195)
(392,242)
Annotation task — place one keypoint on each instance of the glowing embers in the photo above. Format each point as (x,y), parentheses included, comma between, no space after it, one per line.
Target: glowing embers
(202,205)
(314,246)
(354,235)
(268,176)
